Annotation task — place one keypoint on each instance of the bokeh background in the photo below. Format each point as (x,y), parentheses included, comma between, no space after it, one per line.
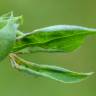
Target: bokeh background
(41,13)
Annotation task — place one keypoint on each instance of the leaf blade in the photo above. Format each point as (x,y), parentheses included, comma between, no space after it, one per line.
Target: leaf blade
(52,72)
(54,38)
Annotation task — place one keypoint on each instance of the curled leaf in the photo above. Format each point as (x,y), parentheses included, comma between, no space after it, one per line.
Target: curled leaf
(52,72)
(58,38)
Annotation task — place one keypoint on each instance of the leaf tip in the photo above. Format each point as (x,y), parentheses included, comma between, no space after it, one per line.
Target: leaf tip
(90,73)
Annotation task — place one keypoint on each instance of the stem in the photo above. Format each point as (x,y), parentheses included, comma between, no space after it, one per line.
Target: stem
(19,34)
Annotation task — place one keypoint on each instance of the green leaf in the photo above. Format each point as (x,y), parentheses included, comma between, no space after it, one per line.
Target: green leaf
(8,28)
(58,38)
(52,72)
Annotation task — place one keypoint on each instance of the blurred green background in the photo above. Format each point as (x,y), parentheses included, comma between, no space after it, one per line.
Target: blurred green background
(41,13)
